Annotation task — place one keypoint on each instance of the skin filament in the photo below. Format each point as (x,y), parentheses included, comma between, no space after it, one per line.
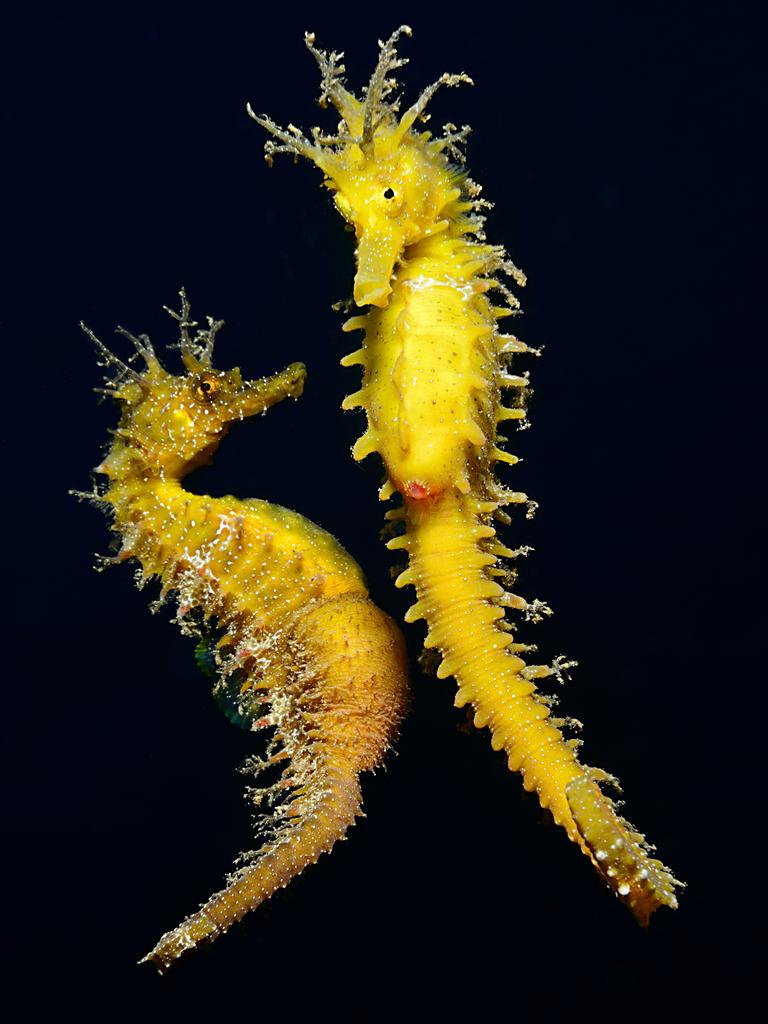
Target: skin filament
(439,376)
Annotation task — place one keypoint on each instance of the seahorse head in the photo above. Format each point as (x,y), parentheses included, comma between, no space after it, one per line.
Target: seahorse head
(393,184)
(173,422)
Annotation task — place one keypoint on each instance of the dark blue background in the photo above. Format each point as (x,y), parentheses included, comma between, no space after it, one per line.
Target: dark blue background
(620,147)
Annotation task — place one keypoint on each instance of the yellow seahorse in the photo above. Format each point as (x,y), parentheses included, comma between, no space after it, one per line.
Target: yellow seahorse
(297,643)
(435,365)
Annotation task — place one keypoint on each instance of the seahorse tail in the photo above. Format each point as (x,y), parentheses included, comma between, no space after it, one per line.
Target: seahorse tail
(620,854)
(451,547)
(334,803)
(335,718)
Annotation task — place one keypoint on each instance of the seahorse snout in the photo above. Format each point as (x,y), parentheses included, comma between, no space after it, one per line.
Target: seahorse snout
(378,249)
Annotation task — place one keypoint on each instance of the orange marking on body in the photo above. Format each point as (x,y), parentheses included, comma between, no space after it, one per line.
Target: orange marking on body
(417,490)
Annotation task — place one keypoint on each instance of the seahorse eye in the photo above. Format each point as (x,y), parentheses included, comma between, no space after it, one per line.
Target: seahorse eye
(207,387)
(389,193)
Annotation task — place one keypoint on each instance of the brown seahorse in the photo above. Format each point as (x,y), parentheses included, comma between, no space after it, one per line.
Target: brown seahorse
(296,641)
(434,369)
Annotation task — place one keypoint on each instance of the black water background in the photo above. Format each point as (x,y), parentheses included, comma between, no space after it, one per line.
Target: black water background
(621,147)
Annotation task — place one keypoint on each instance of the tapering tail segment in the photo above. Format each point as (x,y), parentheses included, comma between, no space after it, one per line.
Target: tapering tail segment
(452,550)
(324,820)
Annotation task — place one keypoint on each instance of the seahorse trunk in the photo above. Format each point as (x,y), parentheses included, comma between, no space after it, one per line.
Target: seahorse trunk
(335,716)
(446,541)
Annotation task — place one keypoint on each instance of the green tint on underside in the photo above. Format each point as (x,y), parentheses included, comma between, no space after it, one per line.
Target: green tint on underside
(226,691)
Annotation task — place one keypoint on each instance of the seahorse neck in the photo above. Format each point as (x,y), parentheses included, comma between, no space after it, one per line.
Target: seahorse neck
(132,476)
(169,491)
(248,553)
(455,240)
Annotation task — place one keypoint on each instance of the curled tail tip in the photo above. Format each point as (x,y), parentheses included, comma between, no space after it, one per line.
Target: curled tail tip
(197,930)
(180,942)
(153,959)
(159,959)
(619,854)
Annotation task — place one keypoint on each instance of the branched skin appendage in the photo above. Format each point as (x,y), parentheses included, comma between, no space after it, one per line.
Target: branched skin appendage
(435,368)
(281,612)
